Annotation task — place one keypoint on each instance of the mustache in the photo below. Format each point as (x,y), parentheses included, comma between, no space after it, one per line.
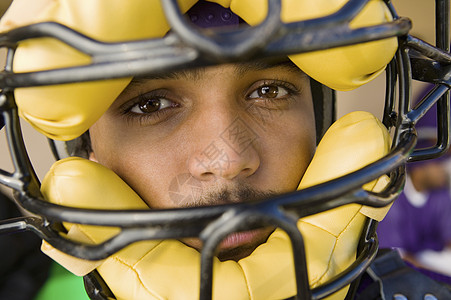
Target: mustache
(241,194)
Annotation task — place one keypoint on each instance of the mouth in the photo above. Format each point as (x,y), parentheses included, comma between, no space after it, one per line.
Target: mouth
(236,245)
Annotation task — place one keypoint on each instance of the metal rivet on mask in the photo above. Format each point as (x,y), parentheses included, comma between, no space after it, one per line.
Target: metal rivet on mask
(194,18)
(226,16)
(429,297)
(399,297)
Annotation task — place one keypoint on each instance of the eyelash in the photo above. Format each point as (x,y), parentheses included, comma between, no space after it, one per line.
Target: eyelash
(156,116)
(290,89)
(144,118)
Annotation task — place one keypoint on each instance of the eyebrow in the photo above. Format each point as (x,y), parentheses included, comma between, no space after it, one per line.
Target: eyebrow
(261,65)
(241,69)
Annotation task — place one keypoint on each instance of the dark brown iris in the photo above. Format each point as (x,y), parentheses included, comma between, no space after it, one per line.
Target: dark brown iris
(269,91)
(149,105)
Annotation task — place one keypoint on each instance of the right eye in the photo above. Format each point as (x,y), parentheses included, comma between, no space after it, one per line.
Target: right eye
(269,92)
(148,105)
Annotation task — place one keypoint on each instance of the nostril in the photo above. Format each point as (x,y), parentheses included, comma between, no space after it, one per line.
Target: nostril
(247,171)
(207,176)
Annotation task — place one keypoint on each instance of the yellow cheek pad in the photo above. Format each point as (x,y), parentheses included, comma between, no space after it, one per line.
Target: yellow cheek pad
(170,270)
(65,112)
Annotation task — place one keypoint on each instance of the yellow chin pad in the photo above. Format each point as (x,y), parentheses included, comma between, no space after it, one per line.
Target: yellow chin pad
(65,112)
(170,270)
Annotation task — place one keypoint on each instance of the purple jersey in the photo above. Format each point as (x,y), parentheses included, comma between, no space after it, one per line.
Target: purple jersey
(418,223)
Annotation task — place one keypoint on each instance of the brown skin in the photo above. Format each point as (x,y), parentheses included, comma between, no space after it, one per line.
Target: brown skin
(233,131)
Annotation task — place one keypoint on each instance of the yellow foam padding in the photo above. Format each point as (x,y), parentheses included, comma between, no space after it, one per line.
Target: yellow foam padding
(343,68)
(170,270)
(66,111)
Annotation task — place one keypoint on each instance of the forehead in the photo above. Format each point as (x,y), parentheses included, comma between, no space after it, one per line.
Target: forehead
(240,69)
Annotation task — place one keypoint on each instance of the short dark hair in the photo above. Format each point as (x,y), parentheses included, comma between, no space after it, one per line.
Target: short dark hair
(80,146)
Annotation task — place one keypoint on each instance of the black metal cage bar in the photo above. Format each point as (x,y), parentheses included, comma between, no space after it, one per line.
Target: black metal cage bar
(186,46)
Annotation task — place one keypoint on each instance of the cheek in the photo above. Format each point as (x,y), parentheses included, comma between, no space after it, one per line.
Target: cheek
(148,174)
(300,140)
(135,158)
(295,155)
(290,149)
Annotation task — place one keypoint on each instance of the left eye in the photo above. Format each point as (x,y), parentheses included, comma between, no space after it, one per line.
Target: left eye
(269,91)
(148,106)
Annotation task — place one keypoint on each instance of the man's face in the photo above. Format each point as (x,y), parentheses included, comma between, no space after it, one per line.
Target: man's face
(211,136)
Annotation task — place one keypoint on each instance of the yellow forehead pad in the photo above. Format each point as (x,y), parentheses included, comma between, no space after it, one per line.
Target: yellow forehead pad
(66,111)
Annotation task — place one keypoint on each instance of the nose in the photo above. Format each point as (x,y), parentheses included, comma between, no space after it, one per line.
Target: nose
(227,152)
